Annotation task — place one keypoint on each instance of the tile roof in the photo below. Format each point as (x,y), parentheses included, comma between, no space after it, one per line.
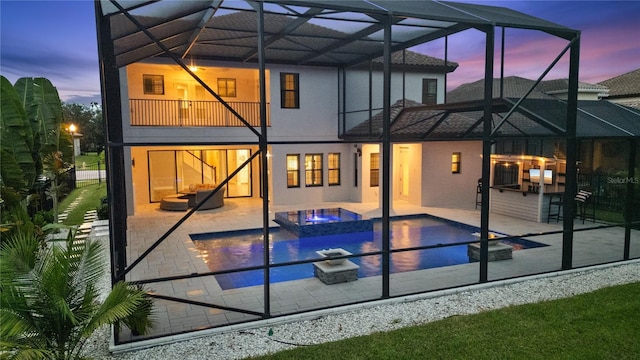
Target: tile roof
(624,85)
(562,85)
(539,115)
(414,59)
(516,87)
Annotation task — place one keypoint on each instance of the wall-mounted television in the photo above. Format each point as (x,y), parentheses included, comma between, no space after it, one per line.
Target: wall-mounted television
(534,176)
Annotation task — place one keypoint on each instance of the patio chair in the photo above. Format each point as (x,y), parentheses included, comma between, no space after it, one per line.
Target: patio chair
(214,202)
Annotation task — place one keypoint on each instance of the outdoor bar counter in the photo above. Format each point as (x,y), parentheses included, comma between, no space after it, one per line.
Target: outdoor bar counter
(524,204)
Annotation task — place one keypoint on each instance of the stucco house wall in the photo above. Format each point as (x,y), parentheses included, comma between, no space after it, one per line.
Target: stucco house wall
(316,119)
(407,86)
(442,188)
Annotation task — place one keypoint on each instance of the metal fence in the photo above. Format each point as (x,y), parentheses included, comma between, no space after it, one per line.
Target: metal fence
(609,192)
(82,175)
(89,173)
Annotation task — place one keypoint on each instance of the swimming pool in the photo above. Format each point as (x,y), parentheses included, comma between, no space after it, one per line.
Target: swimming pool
(238,249)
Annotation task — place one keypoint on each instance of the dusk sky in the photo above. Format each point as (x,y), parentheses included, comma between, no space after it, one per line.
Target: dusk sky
(57,40)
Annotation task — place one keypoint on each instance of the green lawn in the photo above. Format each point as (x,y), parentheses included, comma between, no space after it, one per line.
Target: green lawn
(91,196)
(89,158)
(604,324)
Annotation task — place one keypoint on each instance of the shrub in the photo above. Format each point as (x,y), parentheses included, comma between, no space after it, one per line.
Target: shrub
(49,303)
(42,218)
(103,212)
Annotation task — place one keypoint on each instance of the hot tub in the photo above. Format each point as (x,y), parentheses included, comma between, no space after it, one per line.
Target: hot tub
(317,222)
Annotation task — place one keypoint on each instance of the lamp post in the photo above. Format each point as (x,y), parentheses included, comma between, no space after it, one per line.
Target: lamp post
(72,130)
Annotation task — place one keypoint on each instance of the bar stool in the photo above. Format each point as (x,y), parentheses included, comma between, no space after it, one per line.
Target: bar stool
(586,207)
(555,207)
(479,193)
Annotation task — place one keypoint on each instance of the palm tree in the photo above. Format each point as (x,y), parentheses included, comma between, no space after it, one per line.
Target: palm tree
(49,298)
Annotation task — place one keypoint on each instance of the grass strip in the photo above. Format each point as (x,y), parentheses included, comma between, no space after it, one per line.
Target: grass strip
(604,324)
(91,196)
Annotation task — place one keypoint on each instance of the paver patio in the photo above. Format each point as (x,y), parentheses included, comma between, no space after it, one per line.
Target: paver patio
(177,255)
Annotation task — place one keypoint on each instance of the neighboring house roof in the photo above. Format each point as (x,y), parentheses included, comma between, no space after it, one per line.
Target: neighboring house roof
(516,87)
(625,89)
(624,85)
(561,86)
(539,115)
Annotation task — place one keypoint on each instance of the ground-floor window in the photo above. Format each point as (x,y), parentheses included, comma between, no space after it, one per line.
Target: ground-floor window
(334,169)
(313,169)
(455,162)
(293,170)
(374,170)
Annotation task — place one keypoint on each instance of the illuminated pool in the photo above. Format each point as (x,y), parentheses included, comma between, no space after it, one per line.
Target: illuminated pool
(244,248)
(318,222)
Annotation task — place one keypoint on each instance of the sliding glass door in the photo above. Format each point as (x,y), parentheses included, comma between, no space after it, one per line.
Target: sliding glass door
(162,174)
(174,171)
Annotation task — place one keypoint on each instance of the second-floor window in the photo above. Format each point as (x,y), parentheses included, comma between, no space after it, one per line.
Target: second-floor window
(374,170)
(313,169)
(293,170)
(333,168)
(289,91)
(153,84)
(227,87)
(429,91)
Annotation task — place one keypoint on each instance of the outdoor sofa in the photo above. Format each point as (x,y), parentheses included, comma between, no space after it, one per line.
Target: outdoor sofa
(196,194)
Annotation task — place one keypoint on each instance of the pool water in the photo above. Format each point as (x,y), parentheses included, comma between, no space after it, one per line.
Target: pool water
(238,249)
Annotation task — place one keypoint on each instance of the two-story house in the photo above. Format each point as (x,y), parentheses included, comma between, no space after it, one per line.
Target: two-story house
(193,139)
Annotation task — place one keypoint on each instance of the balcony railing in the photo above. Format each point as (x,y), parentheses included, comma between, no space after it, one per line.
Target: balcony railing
(146,112)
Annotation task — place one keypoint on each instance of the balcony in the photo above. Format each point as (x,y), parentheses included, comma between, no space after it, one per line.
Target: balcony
(179,113)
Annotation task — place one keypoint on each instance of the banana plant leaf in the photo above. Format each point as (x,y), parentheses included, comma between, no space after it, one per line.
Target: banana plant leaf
(16,137)
(11,173)
(44,111)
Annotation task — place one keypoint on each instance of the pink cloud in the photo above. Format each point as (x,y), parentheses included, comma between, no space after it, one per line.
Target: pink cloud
(610,44)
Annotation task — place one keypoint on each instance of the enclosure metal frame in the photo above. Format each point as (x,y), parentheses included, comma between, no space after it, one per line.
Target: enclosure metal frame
(115,145)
